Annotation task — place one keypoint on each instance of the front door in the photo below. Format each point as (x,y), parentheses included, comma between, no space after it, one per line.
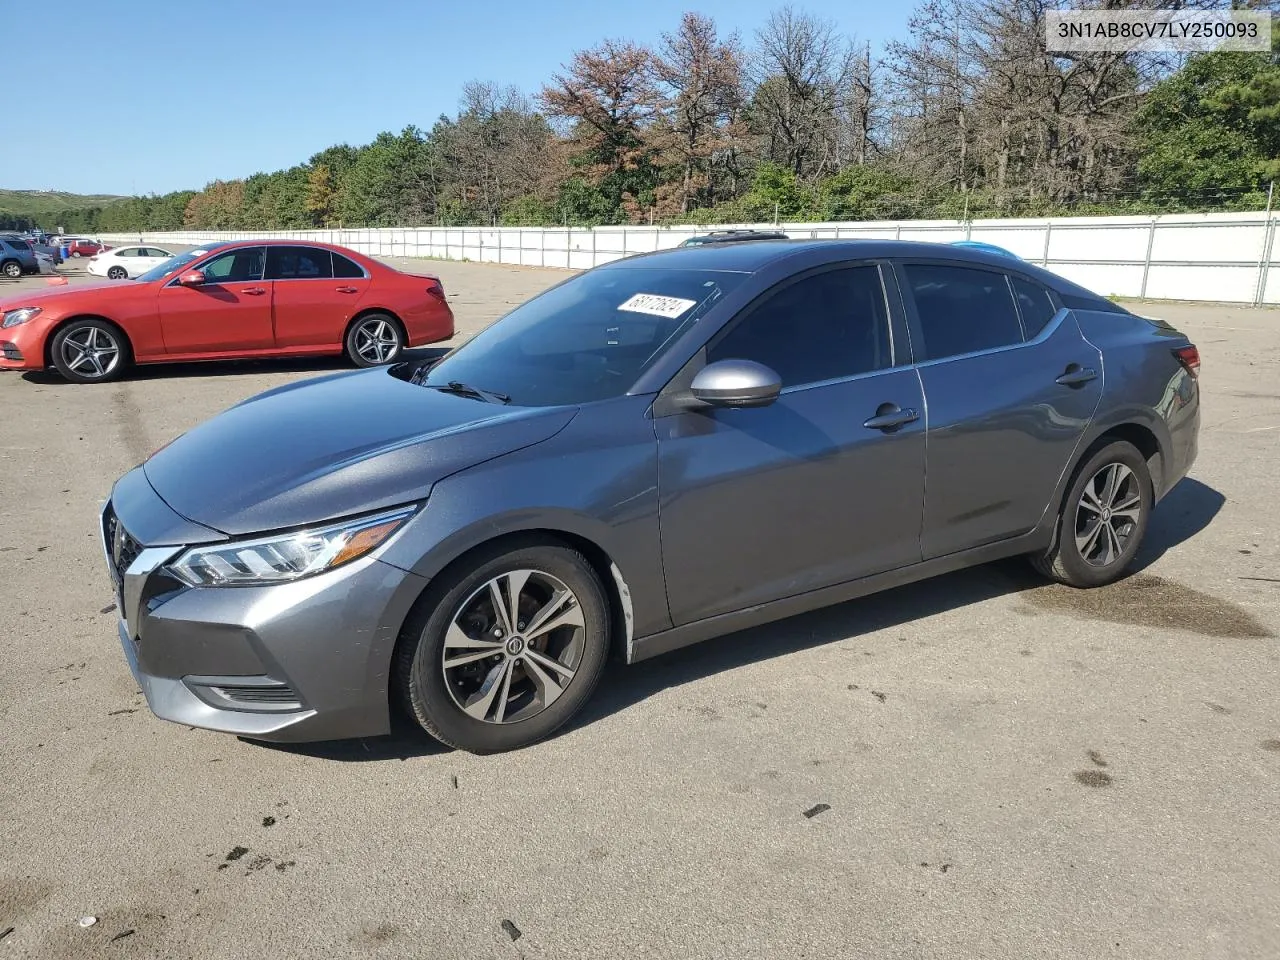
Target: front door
(1011,386)
(228,314)
(761,504)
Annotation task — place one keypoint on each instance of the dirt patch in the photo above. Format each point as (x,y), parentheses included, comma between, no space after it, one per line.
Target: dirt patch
(1149,601)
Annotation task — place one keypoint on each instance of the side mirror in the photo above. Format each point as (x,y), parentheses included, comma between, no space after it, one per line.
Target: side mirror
(736,383)
(191,279)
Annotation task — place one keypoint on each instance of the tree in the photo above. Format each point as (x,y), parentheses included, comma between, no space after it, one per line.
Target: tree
(493,152)
(802,72)
(1211,132)
(320,194)
(701,82)
(606,97)
(390,182)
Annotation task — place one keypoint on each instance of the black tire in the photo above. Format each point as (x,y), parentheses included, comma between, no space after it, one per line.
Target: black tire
(418,669)
(375,339)
(94,331)
(11,269)
(117,273)
(1099,562)
(75,254)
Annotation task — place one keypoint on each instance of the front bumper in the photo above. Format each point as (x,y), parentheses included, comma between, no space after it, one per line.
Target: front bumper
(307,660)
(22,347)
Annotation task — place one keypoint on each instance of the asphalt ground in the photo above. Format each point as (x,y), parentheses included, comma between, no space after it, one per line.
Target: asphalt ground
(977,766)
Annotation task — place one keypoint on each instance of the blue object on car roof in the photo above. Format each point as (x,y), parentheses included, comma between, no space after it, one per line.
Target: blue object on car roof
(989,247)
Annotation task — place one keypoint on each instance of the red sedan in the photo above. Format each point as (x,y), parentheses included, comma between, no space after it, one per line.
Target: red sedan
(227,301)
(85,248)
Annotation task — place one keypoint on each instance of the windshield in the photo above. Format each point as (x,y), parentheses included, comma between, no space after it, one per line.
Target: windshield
(173,264)
(586,339)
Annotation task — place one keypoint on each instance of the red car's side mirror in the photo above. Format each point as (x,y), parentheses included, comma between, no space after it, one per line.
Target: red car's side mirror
(192,279)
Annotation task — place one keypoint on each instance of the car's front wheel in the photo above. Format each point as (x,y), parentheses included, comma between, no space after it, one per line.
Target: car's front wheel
(1103,520)
(504,651)
(90,351)
(374,339)
(117,273)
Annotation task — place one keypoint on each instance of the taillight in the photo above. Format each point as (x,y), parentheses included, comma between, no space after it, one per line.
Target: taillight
(1189,357)
(436,289)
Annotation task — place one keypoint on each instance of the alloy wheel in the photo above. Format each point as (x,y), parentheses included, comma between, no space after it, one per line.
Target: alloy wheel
(377,341)
(1107,515)
(13,270)
(513,647)
(91,352)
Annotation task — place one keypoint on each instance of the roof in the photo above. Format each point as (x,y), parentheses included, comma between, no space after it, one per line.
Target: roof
(755,256)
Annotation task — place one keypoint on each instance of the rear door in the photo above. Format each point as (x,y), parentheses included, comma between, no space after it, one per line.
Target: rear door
(229,314)
(311,307)
(149,257)
(1010,386)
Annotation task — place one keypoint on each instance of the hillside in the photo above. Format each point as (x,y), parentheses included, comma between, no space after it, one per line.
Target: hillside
(40,205)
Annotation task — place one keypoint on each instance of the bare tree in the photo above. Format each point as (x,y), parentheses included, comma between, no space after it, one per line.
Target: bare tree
(700,79)
(493,152)
(801,72)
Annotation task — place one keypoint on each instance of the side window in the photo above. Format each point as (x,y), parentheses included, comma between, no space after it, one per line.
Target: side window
(1035,305)
(159,254)
(823,327)
(237,266)
(298,263)
(129,252)
(962,310)
(345,269)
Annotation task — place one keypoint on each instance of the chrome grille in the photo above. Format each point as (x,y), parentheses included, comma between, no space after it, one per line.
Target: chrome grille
(122,548)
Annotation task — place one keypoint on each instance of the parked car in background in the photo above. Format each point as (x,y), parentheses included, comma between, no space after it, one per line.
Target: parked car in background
(663,449)
(130,262)
(81,247)
(733,236)
(16,257)
(226,301)
(42,247)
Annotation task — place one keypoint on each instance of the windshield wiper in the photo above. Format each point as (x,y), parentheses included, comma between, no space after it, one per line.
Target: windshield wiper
(466,390)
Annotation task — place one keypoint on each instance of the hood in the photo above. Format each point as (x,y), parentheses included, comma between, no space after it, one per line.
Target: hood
(39,298)
(332,447)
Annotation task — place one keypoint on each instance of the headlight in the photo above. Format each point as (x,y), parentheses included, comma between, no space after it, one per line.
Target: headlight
(14,317)
(287,556)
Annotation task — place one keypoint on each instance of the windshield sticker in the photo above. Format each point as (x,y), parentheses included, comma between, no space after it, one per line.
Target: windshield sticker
(651,303)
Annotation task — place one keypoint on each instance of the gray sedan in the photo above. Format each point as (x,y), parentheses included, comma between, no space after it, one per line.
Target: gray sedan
(652,453)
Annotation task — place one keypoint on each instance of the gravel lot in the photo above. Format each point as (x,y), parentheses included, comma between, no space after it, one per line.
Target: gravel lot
(1002,769)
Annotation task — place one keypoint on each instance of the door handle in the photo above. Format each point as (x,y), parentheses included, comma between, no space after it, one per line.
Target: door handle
(253,291)
(1076,375)
(348,290)
(890,416)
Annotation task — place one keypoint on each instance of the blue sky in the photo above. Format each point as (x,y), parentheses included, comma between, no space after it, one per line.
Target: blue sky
(164,96)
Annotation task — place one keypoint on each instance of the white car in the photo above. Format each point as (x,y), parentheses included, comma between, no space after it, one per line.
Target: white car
(120,263)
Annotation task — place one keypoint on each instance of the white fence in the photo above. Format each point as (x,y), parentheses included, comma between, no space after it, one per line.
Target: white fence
(1213,257)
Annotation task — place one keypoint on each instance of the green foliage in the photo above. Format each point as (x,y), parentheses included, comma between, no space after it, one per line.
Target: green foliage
(868,193)
(1211,132)
(528,211)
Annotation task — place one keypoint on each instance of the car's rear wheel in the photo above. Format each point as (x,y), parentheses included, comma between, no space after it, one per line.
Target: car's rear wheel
(375,339)
(1103,520)
(502,653)
(90,351)
(76,254)
(11,269)
(118,273)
